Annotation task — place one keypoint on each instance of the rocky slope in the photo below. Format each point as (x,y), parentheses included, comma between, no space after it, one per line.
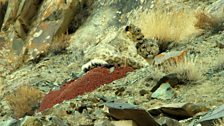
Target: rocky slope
(55,46)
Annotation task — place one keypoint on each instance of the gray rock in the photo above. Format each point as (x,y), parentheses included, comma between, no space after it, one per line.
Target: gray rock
(9,122)
(164,92)
(213,115)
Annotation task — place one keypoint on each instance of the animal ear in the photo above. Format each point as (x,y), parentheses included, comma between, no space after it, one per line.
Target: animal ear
(127,28)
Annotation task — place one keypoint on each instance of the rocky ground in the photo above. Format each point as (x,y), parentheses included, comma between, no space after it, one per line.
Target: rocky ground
(119,51)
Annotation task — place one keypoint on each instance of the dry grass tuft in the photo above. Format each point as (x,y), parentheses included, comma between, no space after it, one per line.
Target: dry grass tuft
(59,44)
(205,21)
(219,122)
(173,25)
(188,71)
(1,85)
(24,100)
(220,62)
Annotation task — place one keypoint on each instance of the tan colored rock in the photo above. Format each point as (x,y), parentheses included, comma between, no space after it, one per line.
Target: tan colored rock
(124,123)
(31,121)
(183,110)
(32,25)
(51,22)
(125,111)
(170,57)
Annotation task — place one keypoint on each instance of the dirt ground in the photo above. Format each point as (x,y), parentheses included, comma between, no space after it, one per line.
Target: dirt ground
(52,71)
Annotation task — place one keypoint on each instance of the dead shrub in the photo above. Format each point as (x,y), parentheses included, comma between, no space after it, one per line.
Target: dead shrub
(219,63)
(59,44)
(205,21)
(24,100)
(173,25)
